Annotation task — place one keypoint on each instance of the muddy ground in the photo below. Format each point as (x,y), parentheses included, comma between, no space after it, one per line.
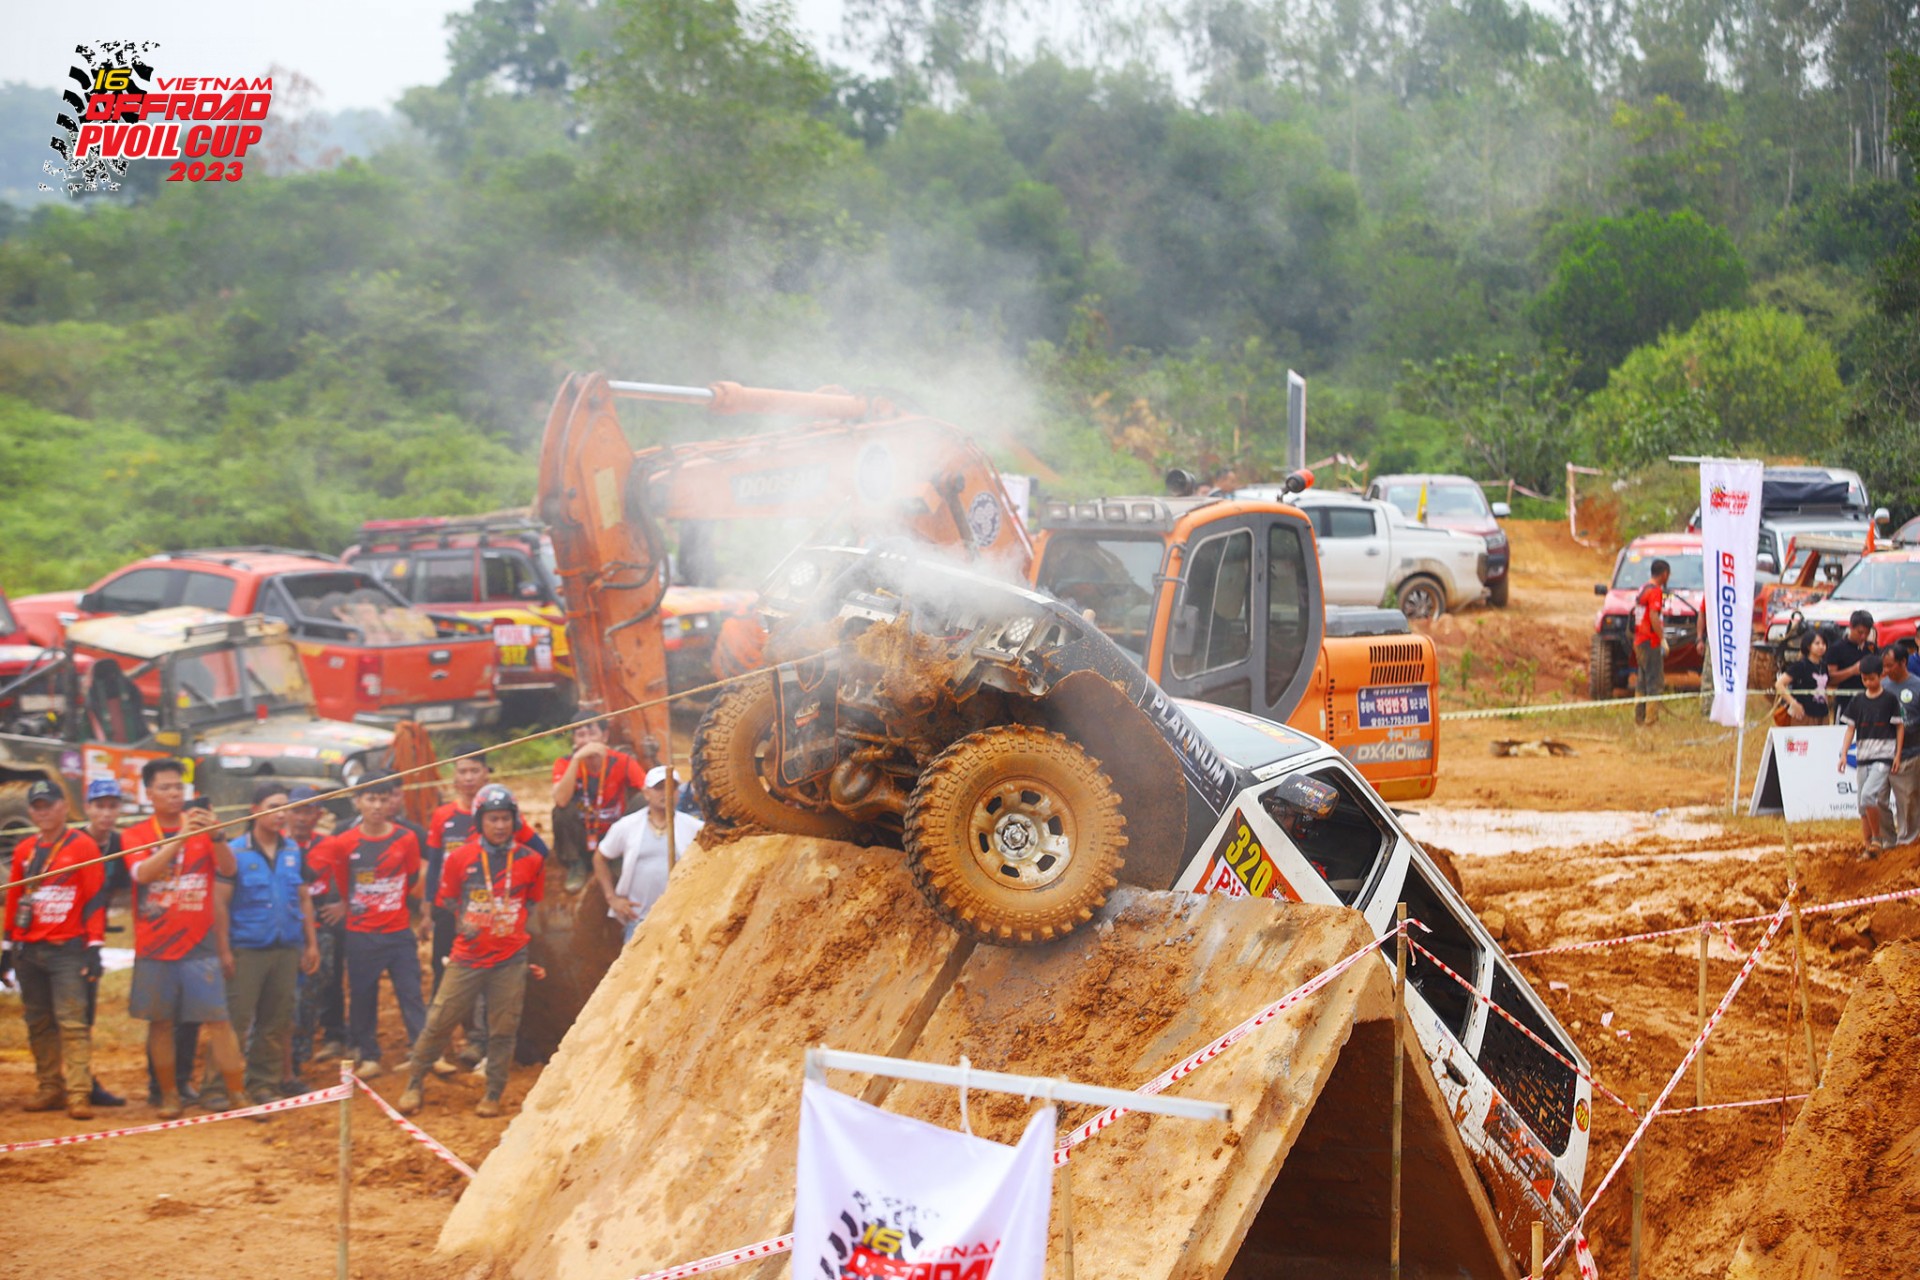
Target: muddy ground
(1629,833)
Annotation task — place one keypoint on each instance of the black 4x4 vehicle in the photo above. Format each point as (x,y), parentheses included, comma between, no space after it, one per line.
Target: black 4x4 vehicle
(233,702)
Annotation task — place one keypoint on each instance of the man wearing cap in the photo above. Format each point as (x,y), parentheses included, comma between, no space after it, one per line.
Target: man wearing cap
(103,827)
(375,867)
(181,955)
(270,919)
(637,845)
(490,883)
(54,930)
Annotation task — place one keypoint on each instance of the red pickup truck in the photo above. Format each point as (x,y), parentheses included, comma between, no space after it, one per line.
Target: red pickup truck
(369,655)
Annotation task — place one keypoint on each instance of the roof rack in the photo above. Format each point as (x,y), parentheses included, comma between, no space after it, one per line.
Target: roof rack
(236,555)
(518,522)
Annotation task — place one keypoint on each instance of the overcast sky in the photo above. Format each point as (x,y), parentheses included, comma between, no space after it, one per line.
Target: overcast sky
(361,53)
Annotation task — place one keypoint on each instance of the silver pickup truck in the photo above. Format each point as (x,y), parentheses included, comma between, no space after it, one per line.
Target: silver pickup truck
(1371,553)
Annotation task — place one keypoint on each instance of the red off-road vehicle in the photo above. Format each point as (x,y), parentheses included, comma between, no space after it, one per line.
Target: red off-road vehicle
(369,655)
(1610,662)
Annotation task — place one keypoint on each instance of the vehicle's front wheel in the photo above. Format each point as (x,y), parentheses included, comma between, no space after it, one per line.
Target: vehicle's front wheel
(1422,597)
(1015,835)
(1603,669)
(1497,593)
(735,761)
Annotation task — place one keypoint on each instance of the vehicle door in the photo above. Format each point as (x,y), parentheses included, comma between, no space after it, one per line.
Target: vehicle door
(1353,553)
(1211,654)
(1292,617)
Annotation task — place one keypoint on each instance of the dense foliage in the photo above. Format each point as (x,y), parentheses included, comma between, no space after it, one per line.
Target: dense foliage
(1495,238)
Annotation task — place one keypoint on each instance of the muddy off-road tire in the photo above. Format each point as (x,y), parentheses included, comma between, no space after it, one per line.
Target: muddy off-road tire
(15,824)
(1497,593)
(1014,835)
(733,762)
(1603,670)
(1760,669)
(1421,597)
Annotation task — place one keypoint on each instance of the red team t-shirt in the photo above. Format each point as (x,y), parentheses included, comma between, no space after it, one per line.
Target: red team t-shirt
(372,875)
(64,907)
(172,916)
(490,896)
(600,790)
(452,826)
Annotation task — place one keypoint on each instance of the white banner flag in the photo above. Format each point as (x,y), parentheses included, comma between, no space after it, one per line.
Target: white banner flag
(1729,542)
(887,1195)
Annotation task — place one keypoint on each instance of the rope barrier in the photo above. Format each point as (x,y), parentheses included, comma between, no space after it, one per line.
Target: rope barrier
(1822,908)
(413,1130)
(331,1094)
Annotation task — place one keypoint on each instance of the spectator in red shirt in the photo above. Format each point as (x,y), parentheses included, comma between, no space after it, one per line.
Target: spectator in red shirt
(491,884)
(1650,641)
(591,790)
(181,957)
(54,929)
(375,867)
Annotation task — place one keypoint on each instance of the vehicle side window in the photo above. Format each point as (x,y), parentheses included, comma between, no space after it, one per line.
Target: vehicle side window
(1220,591)
(207,591)
(1287,604)
(507,575)
(444,579)
(1533,1080)
(141,591)
(1349,522)
(1344,836)
(1447,938)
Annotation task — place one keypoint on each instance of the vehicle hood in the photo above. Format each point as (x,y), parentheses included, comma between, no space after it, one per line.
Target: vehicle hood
(39,617)
(1680,602)
(1831,610)
(293,737)
(1479,526)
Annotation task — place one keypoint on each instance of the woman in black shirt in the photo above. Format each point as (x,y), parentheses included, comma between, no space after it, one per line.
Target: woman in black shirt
(1804,683)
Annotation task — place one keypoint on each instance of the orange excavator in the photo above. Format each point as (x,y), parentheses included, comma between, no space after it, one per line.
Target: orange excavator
(1215,598)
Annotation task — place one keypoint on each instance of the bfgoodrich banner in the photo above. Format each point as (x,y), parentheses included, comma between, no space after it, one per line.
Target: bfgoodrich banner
(1729,543)
(887,1195)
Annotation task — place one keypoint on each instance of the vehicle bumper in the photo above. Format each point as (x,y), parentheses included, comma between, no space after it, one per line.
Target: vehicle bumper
(1497,562)
(472,714)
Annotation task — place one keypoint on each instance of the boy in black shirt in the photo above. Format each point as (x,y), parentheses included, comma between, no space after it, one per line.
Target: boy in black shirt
(1844,654)
(1874,719)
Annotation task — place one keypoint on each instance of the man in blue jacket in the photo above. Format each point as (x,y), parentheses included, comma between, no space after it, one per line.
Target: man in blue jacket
(269,916)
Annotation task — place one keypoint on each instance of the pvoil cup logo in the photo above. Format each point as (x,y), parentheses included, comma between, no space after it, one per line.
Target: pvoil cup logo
(1732,501)
(118,109)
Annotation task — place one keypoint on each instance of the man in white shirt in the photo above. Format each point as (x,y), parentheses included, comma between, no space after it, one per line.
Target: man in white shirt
(633,859)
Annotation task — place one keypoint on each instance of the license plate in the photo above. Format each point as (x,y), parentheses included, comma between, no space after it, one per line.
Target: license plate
(433,715)
(511,634)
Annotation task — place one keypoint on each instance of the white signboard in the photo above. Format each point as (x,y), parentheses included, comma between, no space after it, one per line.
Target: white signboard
(887,1195)
(1800,775)
(1729,544)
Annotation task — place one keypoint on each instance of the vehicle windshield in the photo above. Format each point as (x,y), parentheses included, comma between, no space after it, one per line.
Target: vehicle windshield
(1245,740)
(214,685)
(1111,577)
(1637,566)
(1877,579)
(1449,501)
(352,602)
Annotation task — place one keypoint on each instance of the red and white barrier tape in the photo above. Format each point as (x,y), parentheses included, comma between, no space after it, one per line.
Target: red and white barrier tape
(1186,1067)
(332,1094)
(1583,1258)
(414,1131)
(1679,1073)
(1731,1106)
(1525,1030)
(1064,1152)
(765,1249)
(1820,908)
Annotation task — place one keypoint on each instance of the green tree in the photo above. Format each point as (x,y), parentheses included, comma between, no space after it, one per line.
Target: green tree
(1620,283)
(1511,413)
(1763,382)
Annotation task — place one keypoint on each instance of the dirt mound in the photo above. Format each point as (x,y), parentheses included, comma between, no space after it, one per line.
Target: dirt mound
(664,1128)
(1840,1199)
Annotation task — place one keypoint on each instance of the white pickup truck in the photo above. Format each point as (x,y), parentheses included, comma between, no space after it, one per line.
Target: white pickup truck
(1370,553)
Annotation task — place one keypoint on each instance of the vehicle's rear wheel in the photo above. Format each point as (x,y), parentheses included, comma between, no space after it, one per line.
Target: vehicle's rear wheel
(1497,593)
(735,762)
(1015,835)
(1422,597)
(15,824)
(1603,669)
